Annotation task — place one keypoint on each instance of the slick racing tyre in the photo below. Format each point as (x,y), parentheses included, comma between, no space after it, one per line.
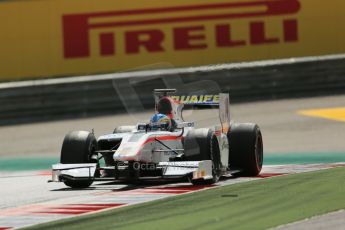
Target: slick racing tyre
(78,147)
(202,144)
(245,149)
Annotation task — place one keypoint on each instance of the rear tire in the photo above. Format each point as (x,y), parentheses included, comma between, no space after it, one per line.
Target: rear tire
(245,149)
(78,147)
(202,144)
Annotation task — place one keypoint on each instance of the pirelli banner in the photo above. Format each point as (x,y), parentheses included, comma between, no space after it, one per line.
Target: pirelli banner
(63,37)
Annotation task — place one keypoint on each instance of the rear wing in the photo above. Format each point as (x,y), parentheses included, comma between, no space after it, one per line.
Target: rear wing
(197,99)
(221,100)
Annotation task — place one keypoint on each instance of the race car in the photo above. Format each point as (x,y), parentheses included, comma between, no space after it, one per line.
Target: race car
(164,149)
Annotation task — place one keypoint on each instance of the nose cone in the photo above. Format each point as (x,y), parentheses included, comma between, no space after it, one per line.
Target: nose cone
(130,147)
(126,152)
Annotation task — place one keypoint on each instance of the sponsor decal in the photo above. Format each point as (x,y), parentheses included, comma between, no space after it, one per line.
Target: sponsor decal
(197,99)
(139,30)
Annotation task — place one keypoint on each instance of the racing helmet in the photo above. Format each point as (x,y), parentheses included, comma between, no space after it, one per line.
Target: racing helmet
(160,121)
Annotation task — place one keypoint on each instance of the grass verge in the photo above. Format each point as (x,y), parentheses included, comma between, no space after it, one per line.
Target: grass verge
(259,204)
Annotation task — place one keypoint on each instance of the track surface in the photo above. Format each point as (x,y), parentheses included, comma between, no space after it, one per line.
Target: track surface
(284,131)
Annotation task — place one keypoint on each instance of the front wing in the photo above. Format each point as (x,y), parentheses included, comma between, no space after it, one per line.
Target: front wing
(176,169)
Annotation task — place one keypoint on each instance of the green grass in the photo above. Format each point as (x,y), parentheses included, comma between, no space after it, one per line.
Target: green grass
(259,204)
(303,158)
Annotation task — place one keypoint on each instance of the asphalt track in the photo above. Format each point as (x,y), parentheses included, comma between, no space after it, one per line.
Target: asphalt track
(285,131)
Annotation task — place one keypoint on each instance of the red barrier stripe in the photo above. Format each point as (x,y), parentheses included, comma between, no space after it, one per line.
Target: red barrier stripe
(76,209)
(84,208)
(162,190)
(170,190)
(165,192)
(187,188)
(64,212)
(267,175)
(100,205)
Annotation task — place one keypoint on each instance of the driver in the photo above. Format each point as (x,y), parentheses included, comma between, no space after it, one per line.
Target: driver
(160,121)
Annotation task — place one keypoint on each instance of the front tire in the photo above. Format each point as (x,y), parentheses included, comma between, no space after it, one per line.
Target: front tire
(202,144)
(245,149)
(78,147)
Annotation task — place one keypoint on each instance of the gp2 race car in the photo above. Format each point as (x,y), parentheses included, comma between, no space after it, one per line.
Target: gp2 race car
(156,151)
